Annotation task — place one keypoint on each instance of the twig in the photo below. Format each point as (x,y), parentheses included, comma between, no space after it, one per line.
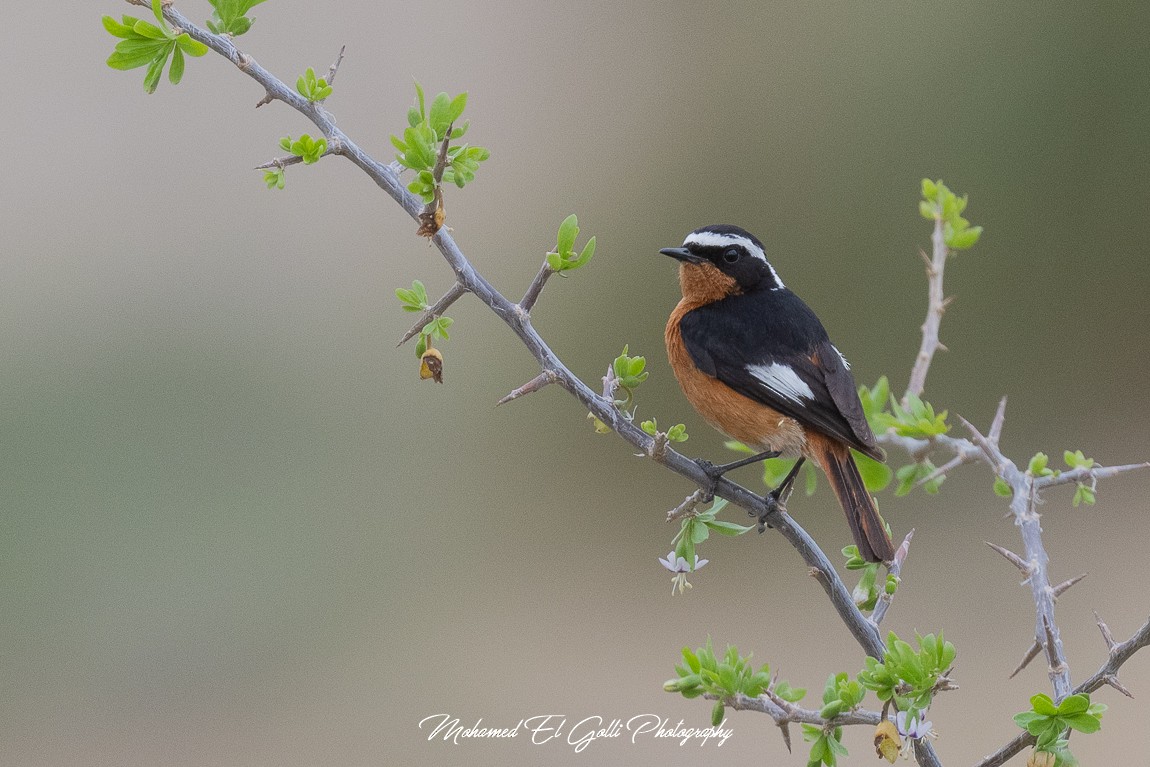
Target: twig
(535,288)
(687,507)
(895,569)
(935,267)
(783,712)
(439,307)
(545,378)
(294,159)
(334,68)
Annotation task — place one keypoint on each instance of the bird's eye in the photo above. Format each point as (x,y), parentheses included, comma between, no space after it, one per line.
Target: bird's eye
(731,255)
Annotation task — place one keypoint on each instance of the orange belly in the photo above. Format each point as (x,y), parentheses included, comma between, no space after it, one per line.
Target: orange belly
(739,417)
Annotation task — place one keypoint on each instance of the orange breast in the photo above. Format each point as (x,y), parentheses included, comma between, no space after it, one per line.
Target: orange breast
(740,417)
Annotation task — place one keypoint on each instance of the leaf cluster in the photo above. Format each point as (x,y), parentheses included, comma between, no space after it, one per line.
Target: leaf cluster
(908,676)
(145,44)
(702,672)
(564,258)
(305,147)
(415,300)
(1047,722)
(942,204)
(916,418)
(677,433)
(693,530)
(229,17)
(866,593)
(275,178)
(420,145)
(312,88)
(841,694)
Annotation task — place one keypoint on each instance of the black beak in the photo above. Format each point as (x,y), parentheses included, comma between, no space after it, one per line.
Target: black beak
(682,254)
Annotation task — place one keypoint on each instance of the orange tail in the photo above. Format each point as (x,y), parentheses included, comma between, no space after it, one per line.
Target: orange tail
(867,526)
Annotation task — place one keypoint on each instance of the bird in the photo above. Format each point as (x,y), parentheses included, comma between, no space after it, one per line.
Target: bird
(756,363)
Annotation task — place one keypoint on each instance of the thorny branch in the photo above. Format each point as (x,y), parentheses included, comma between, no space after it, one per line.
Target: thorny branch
(518,320)
(1106,675)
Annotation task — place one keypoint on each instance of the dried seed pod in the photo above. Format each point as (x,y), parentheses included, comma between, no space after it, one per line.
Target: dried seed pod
(431,365)
(886,740)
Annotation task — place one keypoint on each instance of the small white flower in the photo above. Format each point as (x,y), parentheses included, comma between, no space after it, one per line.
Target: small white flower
(912,730)
(679,566)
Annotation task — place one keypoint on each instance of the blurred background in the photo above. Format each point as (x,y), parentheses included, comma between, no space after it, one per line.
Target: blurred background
(237,529)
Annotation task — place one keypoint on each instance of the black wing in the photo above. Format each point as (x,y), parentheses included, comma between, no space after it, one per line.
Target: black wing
(771,347)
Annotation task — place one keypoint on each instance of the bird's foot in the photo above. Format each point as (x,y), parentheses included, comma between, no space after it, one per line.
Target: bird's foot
(771,505)
(713,473)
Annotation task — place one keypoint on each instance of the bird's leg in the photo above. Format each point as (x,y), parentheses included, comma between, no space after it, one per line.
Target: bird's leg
(716,472)
(776,499)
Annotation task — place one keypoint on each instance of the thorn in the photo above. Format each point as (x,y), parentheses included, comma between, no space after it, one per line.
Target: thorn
(535,384)
(1051,646)
(1112,680)
(1013,558)
(1106,635)
(785,727)
(267,99)
(946,302)
(926,260)
(1063,587)
(943,347)
(1031,654)
(996,424)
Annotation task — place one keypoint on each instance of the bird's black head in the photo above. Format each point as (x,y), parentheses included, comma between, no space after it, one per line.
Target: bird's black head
(735,253)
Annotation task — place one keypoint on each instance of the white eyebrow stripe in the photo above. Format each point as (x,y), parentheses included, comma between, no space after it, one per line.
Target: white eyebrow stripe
(782,380)
(716,240)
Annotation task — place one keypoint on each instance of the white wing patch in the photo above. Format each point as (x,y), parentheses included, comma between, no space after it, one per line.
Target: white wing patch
(782,380)
(846,364)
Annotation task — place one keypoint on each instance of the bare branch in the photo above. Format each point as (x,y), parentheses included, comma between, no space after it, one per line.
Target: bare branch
(1084,475)
(334,68)
(936,307)
(959,460)
(536,287)
(784,713)
(687,507)
(895,569)
(433,311)
(545,378)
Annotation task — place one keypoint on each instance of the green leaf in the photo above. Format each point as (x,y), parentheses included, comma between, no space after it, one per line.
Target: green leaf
(1001,488)
(439,118)
(727,528)
(1084,494)
(116,29)
(155,69)
(190,46)
(568,231)
(144,29)
(717,714)
(176,71)
(1042,704)
(1071,704)
(158,9)
(458,104)
(876,476)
